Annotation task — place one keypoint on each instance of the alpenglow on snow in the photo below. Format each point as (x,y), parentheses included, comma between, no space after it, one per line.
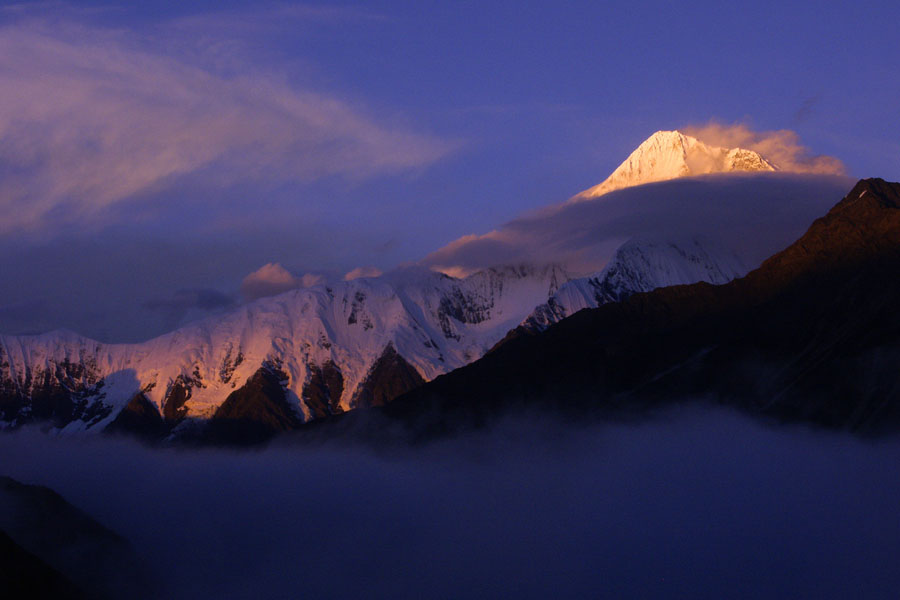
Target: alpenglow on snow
(672,154)
(327,349)
(338,346)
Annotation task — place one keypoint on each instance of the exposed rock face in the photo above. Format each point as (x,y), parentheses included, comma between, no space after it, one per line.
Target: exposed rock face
(256,411)
(390,377)
(322,393)
(262,407)
(139,418)
(60,391)
(812,335)
(174,408)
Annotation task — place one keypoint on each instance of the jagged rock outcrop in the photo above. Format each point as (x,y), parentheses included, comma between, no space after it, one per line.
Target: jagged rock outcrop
(322,393)
(256,411)
(139,418)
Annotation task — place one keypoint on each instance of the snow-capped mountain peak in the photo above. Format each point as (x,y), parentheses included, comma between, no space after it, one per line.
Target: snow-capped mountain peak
(672,154)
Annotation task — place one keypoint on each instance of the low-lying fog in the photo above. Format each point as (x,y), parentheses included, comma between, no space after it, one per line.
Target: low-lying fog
(698,504)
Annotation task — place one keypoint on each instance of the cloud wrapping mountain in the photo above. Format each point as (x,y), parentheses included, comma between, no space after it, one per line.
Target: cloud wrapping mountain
(755,215)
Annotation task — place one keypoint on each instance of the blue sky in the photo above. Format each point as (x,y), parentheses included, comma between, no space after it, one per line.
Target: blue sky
(326,136)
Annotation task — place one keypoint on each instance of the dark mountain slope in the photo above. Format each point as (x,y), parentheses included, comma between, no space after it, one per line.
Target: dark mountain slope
(812,335)
(24,575)
(47,534)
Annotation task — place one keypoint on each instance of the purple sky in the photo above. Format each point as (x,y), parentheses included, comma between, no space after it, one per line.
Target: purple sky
(156,152)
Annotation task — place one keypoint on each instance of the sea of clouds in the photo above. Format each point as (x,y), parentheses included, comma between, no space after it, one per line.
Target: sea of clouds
(689,504)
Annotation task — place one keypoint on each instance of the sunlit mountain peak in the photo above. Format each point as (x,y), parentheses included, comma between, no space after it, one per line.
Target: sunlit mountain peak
(672,154)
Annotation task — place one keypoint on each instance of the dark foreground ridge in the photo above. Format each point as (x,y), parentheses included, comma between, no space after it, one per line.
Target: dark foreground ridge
(812,335)
(51,549)
(24,575)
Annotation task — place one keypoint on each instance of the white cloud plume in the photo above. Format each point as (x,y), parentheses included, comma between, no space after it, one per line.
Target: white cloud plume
(94,115)
(781,147)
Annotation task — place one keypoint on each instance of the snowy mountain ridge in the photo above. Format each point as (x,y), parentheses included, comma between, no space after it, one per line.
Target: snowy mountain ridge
(328,347)
(434,322)
(672,154)
(639,265)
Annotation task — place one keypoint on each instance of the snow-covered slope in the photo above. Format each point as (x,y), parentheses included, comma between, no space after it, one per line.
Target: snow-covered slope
(639,265)
(327,348)
(322,342)
(671,154)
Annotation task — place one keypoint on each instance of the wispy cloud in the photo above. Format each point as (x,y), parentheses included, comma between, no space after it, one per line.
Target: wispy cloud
(190,303)
(807,108)
(93,115)
(359,272)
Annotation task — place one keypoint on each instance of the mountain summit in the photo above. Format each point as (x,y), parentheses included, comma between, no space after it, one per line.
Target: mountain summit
(672,154)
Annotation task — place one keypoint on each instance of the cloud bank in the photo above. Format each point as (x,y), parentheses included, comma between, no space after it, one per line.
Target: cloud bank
(781,147)
(92,116)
